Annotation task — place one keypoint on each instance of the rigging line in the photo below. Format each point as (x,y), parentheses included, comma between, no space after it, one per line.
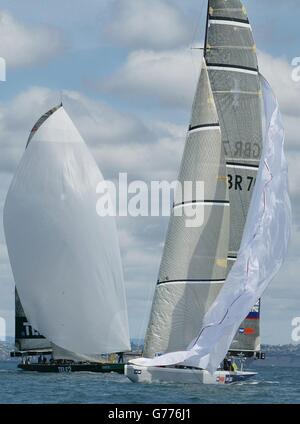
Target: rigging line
(198,19)
(143,327)
(216,324)
(206,30)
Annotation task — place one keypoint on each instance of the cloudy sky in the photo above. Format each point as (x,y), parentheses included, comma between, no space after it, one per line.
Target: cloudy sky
(127,75)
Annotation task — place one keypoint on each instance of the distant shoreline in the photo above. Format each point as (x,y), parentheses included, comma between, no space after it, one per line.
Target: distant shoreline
(276,355)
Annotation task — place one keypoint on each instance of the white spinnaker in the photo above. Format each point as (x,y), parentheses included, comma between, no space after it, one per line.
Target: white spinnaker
(65,257)
(59,354)
(263,250)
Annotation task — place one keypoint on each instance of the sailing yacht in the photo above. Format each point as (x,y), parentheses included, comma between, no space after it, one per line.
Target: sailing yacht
(212,276)
(65,258)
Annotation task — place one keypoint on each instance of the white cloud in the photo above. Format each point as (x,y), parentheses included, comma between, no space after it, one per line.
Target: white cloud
(278,71)
(140,23)
(280,303)
(167,77)
(293,159)
(99,124)
(22,45)
(119,141)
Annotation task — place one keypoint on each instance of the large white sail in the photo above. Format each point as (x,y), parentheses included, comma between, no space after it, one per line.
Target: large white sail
(194,263)
(28,339)
(65,258)
(230,53)
(263,250)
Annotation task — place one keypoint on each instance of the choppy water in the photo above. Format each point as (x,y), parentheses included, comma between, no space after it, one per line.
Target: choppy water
(272,385)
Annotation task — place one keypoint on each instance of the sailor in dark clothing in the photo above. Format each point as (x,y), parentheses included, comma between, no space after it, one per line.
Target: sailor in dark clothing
(227,364)
(120,358)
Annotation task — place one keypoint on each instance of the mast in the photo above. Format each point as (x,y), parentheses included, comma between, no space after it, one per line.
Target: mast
(233,70)
(206,30)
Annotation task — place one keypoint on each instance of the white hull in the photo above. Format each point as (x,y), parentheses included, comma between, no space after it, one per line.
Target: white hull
(139,374)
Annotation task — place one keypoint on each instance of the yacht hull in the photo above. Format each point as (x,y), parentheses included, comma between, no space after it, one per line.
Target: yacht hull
(68,368)
(138,374)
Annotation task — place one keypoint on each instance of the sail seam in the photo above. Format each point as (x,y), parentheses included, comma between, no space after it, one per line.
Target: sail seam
(196,130)
(230,22)
(202,202)
(232,68)
(196,127)
(224,18)
(241,165)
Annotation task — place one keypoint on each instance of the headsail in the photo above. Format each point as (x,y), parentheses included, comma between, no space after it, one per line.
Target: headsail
(263,250)
(230,53)
(65,258)
(194,263)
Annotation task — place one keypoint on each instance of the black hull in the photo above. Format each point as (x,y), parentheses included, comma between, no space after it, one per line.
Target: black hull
(67,368)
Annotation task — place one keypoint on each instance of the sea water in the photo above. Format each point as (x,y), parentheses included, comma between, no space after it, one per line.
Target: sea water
(272,385)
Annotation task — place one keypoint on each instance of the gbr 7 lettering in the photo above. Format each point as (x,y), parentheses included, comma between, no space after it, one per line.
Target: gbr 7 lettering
(240,183)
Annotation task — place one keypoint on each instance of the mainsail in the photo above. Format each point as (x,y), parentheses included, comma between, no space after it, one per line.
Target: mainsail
(65,257)
(230,53)
(194,263)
